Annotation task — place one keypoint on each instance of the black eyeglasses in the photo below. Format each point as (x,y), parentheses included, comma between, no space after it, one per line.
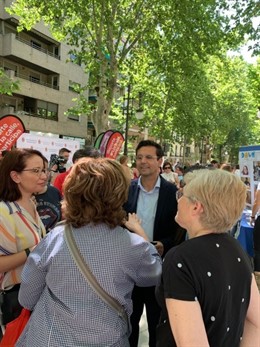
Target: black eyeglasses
(38,171)
(179,194)
(167,167)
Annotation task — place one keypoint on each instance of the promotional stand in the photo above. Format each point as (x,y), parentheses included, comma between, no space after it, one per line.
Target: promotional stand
(249,164)
(47,145)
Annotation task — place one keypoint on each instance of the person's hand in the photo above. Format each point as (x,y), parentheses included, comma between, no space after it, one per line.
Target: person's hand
(134,224)
(54,168)
(159,246)
(252,221)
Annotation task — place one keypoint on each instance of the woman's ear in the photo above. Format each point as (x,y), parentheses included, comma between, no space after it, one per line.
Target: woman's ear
(198,207)
(15,176)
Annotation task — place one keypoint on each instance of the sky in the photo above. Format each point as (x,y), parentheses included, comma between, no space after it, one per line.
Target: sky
(247,55)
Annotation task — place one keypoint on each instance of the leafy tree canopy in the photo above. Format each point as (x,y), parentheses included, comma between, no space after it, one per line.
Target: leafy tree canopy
(7,85)
(173,55)
(106,33)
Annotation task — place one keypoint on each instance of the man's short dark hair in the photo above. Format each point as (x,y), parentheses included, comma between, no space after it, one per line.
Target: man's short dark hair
(146,143)
(214,161)
(63,150)
(88,152)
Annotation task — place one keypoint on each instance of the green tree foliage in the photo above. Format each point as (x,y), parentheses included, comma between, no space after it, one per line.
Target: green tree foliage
(172,53)
(106,33)
(235,105)
(245,20)
(215,101)
(7,85)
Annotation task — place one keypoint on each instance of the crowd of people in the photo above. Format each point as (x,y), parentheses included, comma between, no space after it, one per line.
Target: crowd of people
(155,235)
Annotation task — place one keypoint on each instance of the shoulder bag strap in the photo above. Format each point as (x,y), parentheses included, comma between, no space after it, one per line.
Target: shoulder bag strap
(83,267)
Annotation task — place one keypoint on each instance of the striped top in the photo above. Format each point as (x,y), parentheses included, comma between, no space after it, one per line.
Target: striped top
(18,231)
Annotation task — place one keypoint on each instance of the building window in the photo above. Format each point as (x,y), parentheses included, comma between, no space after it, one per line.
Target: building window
(56,51)
(34,79)
(47,110)
(41,112)
(55,81)
(36,45)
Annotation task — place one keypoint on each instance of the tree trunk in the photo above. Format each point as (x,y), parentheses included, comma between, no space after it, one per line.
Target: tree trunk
(107,88)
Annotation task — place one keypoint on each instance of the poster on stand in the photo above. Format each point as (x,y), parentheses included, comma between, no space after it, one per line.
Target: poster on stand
(109,143)
(11,128)
(249,165)
(47,145)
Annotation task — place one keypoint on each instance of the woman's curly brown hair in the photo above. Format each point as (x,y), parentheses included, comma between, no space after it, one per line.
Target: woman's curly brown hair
(95,191)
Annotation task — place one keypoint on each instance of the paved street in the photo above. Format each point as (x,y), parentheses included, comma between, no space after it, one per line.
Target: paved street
(143,339)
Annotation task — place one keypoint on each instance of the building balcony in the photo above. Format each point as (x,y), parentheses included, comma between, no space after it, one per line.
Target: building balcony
(28,52)
(38,90)
(13,74)
(38,47)
(45,115)
(36,80)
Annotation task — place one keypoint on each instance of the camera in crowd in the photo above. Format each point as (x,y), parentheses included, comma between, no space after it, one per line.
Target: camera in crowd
(57,160)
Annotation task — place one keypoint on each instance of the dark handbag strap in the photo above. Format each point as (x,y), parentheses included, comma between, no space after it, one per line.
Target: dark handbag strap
(91,279)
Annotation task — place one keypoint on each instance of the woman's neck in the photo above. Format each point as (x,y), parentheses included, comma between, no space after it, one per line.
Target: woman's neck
(26,203)
(25,199)
(200,232)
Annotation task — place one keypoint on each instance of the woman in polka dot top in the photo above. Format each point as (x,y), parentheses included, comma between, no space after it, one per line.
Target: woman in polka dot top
(208,294)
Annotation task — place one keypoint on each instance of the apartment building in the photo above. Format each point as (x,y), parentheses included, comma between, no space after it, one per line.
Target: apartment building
(47,76)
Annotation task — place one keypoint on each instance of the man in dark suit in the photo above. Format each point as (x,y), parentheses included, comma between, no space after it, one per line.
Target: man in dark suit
(154,201)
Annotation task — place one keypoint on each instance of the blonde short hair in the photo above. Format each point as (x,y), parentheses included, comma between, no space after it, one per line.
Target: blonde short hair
(222,194)
(95,191)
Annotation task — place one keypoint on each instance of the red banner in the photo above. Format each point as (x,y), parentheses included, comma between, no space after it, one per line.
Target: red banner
(11,128)
(114,145)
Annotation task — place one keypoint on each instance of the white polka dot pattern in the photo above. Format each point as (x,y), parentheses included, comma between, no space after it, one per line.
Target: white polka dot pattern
(209,270)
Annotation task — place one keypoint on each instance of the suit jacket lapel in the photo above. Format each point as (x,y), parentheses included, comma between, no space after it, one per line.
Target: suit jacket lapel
(160,204)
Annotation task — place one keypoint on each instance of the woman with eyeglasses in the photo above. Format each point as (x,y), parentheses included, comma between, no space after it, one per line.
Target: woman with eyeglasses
(168,173)
(208,293)
(22,173)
